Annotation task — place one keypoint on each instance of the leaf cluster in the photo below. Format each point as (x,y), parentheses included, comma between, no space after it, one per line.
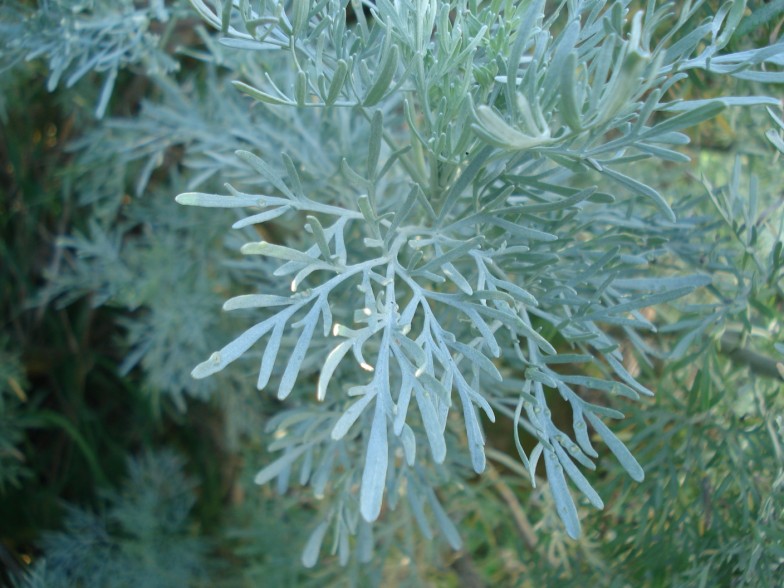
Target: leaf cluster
(470,233)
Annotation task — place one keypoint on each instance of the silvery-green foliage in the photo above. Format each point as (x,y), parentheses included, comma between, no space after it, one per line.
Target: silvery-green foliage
(77,38)
(132,247)
(124,265)
(126,249)
(746,261)
(205,120)
(718,406)
(476,245)
(141,537)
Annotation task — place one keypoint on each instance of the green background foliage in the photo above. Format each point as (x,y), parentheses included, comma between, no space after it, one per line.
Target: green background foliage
(634,226)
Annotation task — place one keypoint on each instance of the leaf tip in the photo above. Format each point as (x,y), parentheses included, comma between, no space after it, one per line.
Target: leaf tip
(208,367)
(186,199)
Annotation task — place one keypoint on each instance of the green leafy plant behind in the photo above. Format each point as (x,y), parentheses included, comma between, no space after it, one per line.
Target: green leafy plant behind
(141,534)
(12,396)
(474,243)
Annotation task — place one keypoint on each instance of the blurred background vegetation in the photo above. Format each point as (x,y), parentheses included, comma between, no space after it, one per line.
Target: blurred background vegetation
(116,469)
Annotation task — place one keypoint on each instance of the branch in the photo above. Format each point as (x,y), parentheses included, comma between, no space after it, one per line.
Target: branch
(760,365)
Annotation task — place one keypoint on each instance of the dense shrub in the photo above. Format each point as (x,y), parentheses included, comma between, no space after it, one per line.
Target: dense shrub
(512,272)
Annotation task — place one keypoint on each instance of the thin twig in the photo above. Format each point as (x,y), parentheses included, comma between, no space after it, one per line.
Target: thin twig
(524,527)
